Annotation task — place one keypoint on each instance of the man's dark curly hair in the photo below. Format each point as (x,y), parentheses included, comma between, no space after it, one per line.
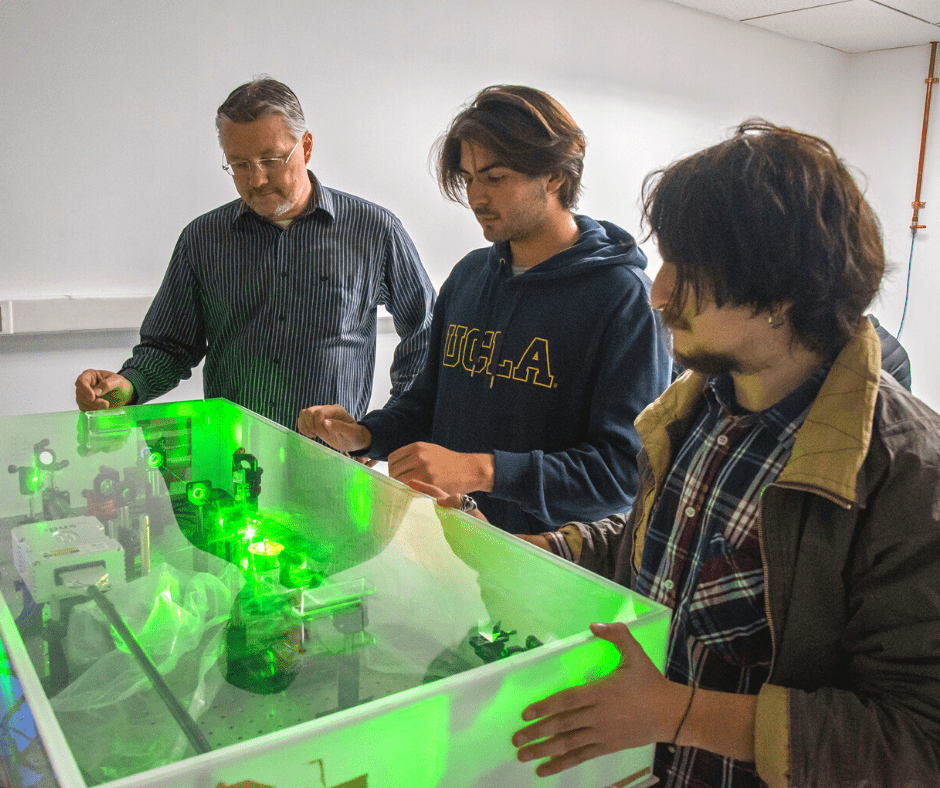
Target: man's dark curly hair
(769,219)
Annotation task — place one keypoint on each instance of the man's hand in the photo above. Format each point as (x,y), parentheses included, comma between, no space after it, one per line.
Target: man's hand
(98,389)
(444,499)
(633,706)
(333,425)
(455,472)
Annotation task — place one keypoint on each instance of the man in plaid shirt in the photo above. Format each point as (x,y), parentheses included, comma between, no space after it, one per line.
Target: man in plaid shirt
(789,502)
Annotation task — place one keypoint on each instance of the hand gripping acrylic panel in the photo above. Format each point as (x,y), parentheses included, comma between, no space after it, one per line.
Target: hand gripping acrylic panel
(195,597)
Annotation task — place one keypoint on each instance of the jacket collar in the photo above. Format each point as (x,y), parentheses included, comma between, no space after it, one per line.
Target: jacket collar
(831,445)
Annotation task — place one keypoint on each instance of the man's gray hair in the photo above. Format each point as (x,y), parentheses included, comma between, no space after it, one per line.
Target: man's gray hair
(259,98)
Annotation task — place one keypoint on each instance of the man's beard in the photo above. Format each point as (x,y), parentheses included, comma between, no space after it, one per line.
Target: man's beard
(282,206)
(709,364)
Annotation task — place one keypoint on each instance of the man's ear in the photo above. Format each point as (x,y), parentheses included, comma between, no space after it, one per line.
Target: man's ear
(555,181)
(307,144)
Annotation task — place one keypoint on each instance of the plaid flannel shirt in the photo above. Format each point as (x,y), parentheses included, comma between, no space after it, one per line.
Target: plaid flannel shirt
(702,558)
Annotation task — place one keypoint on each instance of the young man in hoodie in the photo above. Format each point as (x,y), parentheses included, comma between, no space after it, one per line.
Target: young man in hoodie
(544,346)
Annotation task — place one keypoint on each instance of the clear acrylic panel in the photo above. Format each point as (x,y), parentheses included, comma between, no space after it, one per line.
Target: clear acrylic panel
(198,590)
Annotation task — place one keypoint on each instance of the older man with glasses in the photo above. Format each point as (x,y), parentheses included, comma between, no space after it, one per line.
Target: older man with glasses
(277,290)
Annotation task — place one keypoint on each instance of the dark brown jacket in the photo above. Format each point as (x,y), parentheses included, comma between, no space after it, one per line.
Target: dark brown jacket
(850,537)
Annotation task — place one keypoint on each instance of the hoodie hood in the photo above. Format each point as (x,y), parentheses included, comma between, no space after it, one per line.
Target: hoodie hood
(601,243)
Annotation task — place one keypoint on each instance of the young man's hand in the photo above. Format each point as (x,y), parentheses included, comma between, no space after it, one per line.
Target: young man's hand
(451,471)
(633,706)
(333,425)
(445,499)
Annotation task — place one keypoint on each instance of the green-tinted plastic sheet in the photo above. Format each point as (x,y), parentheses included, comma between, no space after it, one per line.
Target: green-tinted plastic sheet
(298,607)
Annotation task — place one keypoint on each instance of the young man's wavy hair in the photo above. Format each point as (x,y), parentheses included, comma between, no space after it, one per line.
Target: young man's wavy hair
(769,219)
(525,129)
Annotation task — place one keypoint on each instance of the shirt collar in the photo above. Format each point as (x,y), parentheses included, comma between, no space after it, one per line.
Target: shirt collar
(321,199)
(781,419)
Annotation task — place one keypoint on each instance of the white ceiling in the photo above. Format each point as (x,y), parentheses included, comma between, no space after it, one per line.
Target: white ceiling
(851,26)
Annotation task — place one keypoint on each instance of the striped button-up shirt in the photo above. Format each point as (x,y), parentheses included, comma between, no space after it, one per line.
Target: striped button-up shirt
(286,317)
(702,558)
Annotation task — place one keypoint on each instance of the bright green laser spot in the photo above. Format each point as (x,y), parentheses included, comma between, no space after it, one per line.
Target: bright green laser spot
(198,494)
(265,547)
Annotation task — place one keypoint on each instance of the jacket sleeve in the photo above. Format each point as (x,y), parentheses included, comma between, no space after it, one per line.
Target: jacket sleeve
(409,296)
(594,546)
(172,336)
(874,718)
(591,480)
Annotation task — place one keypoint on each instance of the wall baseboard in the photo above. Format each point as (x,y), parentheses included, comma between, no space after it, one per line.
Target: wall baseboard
(63,315)
(115,313)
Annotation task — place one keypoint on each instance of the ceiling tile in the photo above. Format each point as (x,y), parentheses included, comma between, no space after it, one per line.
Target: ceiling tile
(928,10)
(853,27)
(748,9)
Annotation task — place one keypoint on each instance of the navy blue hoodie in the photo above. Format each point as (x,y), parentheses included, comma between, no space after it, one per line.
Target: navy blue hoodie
(546,371)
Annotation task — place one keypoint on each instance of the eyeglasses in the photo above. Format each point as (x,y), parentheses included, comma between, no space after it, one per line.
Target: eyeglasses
(267,166)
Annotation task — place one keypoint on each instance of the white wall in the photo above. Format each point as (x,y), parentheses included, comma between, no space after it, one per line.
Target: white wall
(110,109)
(882,130)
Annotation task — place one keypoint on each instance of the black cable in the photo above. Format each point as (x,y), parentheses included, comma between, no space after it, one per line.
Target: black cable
(907,290)
(195,735)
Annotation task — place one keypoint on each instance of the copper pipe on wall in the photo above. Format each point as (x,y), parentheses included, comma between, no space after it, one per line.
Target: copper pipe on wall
(917,204)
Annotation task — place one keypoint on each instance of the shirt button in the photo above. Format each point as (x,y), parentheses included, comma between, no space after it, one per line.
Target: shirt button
(690,511)
(722,440)
(282,318)
(283,274)
(668,585)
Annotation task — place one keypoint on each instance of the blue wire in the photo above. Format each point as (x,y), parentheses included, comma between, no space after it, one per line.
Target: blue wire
(907,290)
